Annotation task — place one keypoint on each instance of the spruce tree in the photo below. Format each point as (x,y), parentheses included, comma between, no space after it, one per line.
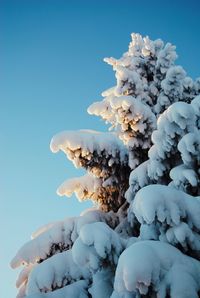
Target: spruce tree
(142,237)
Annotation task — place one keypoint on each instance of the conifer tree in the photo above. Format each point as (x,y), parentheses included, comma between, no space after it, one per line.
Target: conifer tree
(142,237)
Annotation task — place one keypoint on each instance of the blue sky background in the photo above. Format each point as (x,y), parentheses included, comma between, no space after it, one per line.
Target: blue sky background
(51,70)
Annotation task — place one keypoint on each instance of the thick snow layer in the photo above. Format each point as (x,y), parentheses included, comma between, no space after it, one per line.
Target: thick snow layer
(103,109)
(51,242)
(152,263)
(85,142)
(135,119)
(76,290)
(182,176)
(97,242)
(196,106)
(137,179)
(135,70)
(42,229)
(184,235)
(189,147)
(173,83)
(88,255)
(172,125)
(102,284)
(145,59)
(23,276)
(22,291)
(55,272)
(83,186)
(166,56)
(178,116)
(62,234)
(141,48)
(172,213)
(38,248)
(172,88)
(103,192)
(166,204)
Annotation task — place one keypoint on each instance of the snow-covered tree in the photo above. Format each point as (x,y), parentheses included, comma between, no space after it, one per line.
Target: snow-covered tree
(142,237)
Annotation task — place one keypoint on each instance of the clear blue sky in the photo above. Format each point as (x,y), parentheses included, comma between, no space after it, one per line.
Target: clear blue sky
(51,69)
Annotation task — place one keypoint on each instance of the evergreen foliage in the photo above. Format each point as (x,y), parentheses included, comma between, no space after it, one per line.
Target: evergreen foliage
(142,237)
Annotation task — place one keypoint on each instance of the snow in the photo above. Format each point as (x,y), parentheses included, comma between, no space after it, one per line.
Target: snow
(173,83)
(102,155)
(103,108)
(196,106)
(56,271)
(76,290)
(97,242)
(152,263)
(173,214)
(182,176)
(137,241)
(84,143)
(166,56)
(40,247)
(137,179)
(178,116)
(131,116)
(131,77)
(102,284)
(135,119)
(167,204)
(42,229)
(22,291)
(23,276)
(172,125)
(189,147)
(83,186)
(62,234)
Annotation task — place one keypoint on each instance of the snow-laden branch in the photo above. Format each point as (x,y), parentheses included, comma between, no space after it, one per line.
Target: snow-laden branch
(105,157)
(98,248)
(76,290)
(84,187)
(107,194)
(172,125)
(54,273)
(169,214)
(57,238)
(111,253)
(95,151)
(154,268)
(97,244)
